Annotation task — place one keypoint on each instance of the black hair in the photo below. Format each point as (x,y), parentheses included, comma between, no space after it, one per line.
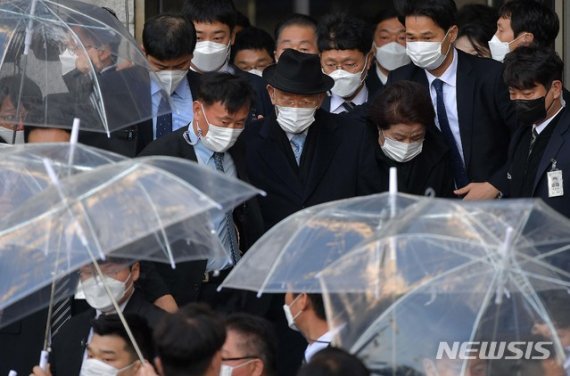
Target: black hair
(232,91)
(532,17)
(404,102)
(258,338)
(187,341)
(30,96)
(209,11)
(317,303)
(253,38)
(527,66)
(242,20)
(339,31)
(168,36)
(295,19)
(333,361)
(384,15)
(478,23)
(442,12)
(478,35)
(106,325)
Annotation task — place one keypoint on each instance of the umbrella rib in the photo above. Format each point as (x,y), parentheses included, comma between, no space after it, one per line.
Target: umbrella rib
(540,262)
(355,347)
(542,311)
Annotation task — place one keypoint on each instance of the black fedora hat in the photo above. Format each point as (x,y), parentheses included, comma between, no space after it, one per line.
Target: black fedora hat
(299,73)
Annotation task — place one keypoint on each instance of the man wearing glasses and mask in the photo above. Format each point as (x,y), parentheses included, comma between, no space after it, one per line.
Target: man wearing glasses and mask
(302,156)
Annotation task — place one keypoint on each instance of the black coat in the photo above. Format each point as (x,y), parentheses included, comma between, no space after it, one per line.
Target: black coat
(557,149)
(337,162)
(70,342)
(486,116)
(21,343)
(430,170)
(186,280)
(373,82)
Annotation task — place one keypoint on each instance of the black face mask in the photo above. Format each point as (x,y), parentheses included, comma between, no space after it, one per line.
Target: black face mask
(530,111)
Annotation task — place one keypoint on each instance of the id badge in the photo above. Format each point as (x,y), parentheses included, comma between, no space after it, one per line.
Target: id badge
(555,182)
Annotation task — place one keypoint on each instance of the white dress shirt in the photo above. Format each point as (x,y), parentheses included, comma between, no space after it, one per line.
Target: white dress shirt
(336,101)
(449,78)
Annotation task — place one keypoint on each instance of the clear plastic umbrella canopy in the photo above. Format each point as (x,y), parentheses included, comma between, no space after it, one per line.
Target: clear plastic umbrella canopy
(155,208)
(450,285)
(23,173)
(62,59)
(288,257)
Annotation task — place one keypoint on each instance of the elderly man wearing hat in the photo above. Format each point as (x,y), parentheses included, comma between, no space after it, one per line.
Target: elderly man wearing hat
(302,156)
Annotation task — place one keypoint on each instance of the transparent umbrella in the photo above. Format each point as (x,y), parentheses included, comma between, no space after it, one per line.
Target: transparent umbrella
(449,276)
(23,173)
(64,59)
(155,208)
(288,257)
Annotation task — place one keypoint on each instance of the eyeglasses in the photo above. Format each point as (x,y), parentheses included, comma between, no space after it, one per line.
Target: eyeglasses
(13,118)
(352,67)
(299,102)
(239,358)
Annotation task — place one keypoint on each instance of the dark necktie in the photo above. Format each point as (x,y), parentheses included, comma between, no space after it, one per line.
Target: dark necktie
(163,122)
(459,174)
(533,137)
(348,106)
(230,227)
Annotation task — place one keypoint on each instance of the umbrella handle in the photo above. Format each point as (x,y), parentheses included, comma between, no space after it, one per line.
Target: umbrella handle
(44,356)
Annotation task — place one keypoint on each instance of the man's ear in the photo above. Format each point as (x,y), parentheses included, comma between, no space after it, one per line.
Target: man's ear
(271,92)
(453,31)
(258,368)
(136,271)
(557,86)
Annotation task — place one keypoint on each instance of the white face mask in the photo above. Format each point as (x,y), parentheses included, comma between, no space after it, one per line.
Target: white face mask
(210,56)
(96,367)
(401,151)
(257,72)
(97,296)
(289,316)
(7,135)
(228,370)
(346,83)
(392,56)
(67,59)
(170,79)
(500,49)
(427,55)
(218,139)
(295,119)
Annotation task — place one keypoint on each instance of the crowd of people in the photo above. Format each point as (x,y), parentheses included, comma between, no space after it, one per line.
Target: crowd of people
(467,104)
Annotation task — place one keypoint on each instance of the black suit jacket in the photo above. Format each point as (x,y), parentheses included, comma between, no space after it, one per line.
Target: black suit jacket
(373,82)
(337,162)
(21,343)
(186,280)
(70,342)
(558,149)
(486,116)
